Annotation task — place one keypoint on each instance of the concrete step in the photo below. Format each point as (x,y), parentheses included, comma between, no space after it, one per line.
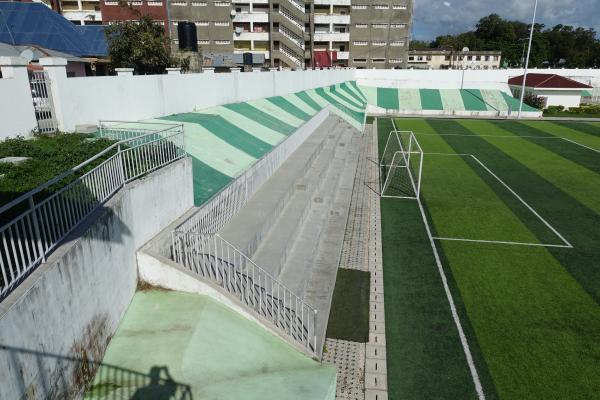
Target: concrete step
(274,250)
(247,229)
(296,272)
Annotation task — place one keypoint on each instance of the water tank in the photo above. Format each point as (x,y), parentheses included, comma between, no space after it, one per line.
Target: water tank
(247,58)
(186,33)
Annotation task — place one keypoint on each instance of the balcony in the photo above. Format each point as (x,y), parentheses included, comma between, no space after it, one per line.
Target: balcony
(334,2)
(332,19)
(263,36)
(266,53)
(332,36)
(251,17)
(343,55)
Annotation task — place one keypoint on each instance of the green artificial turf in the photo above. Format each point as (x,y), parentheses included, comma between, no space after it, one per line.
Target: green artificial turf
(349,315)
(534,311)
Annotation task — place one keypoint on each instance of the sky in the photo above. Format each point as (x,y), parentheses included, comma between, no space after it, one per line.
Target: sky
(440,17)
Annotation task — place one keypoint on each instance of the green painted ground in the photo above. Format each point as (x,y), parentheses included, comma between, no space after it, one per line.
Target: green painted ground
(531,314)
(191,347)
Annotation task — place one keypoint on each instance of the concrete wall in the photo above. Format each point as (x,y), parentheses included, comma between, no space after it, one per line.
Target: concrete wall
(87,100)
(70,307)
(17,116)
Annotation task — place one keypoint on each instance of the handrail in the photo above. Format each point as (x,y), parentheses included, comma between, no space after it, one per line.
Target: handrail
(68,172)
(215,259)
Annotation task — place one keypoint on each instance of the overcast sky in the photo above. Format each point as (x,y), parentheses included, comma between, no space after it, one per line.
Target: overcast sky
(439,17)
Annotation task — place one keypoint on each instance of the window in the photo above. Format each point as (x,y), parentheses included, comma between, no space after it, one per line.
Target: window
(411,58)
(398,7)
(179,3)
(359,60)
(378,60)
(359,6)
(398,43)
(221,23)
(222,4)
(155,3)
(199,4)
(111,3)
(381,6)
(428,58)
(135,3)
(395,61)
(360,43)
(222,41)
(397,26)
(378,43)
(379,26)
(361,26)
(202,23)
(203,41)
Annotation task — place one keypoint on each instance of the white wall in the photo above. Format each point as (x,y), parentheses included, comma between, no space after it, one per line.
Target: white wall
(88,100)
(16,107)
(564,98)
(70,306)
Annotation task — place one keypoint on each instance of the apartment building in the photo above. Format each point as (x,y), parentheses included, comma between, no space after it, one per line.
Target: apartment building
(449,59)
(380,33)
(79,12)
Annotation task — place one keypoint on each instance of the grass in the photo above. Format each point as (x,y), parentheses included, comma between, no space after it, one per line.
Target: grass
(532,313)
(50,156)
(349,315)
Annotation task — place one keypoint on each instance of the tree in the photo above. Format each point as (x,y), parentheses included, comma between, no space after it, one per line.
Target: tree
(140,45)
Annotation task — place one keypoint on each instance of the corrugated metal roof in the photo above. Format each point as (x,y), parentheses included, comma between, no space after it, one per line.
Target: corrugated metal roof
(547,81)
(36,24)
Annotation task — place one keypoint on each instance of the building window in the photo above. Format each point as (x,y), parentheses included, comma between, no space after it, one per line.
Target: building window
(378,60)
(395,61)
(203,41)
(381,6)
(155,3)
(222,4)
(398,7)
(222,41)
(411,58)
(398,26)
(398,43)
(221,23)
(359,6)
(179,3)
(360,43)
(199,3)
(202,23)
(379,26)
(359,60)
(360,26)
(378,43)
(135,3)
(111,3)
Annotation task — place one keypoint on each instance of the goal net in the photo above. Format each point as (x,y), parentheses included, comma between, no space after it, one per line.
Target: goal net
(401,166)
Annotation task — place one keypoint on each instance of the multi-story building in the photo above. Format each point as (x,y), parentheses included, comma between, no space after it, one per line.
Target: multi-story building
(80,12)
(449,59)
(115,10)
(380,33)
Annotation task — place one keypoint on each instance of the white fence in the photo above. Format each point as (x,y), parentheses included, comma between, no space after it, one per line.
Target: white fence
(215,259)
(57,207)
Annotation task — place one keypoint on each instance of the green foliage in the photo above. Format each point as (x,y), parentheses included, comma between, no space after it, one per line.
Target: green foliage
(561,46)
(140,45)
(534,101)
(50,156)
(589,111)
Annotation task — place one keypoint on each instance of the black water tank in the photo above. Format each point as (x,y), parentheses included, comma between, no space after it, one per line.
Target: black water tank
(247,58)
(186,33)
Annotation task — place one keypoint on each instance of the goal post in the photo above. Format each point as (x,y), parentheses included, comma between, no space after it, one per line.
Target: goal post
(401,166)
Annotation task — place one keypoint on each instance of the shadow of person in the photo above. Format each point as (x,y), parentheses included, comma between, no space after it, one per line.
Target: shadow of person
(158,388)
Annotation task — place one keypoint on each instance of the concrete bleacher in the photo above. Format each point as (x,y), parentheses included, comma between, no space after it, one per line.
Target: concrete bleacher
(478,102)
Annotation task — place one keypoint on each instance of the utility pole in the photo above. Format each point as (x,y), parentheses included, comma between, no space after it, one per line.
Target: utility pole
(527,60)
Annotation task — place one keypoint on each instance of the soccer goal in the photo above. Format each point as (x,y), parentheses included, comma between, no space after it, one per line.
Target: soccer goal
(401,166)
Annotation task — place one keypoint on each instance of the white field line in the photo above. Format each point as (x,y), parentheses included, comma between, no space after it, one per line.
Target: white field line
(502,242)
(565,241)
(582,145)
(455,317)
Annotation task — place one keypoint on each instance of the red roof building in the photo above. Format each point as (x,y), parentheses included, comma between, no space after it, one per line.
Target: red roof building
(556,90)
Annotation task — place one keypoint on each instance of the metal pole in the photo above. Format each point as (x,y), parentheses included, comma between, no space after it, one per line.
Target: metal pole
(527,61)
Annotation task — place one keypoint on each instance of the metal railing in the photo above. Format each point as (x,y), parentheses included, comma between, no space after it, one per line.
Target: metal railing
(291,17)
(215,259)
(43,103)
(57,207)
(299,41)
(299,5)
(290,53)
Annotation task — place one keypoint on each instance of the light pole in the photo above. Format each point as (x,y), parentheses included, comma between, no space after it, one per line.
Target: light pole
(527,60)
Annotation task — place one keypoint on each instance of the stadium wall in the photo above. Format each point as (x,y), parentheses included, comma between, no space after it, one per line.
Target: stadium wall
(16,105)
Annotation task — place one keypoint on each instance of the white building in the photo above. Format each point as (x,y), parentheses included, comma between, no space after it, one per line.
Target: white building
(449,59)
(556,90)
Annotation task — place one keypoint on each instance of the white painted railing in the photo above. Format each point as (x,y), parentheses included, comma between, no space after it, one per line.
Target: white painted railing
(298,4)
(290,53)
(218,261)
(291,17)
(292,36)
(37,223)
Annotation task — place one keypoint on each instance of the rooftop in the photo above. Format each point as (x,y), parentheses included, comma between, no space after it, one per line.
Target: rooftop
(548,81)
